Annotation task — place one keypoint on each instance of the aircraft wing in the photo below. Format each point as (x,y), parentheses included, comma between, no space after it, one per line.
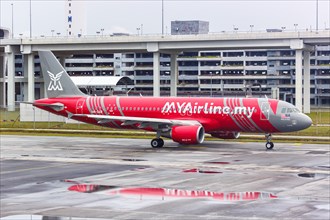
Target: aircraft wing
(155,123)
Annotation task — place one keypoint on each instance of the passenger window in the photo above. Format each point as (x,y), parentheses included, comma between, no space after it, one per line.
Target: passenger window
(142,108)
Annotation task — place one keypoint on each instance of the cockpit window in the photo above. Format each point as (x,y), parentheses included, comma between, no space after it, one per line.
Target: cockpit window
(283,110)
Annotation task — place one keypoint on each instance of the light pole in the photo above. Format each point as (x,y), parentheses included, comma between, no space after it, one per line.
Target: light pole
(138,30)
(162,17)
(251,27)
(52,32)
(216,73)
(12,20)
(30,19)
(141,29)
(317,15)
(283,28)
(102,29)
(295,27)
(211,83)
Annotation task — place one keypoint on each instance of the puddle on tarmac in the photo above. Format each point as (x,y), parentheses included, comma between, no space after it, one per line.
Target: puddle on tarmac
(172,193)
(89,188)
(313,175)
(195,170)
(70,181)
(218,162)
(135,160)
(307,175)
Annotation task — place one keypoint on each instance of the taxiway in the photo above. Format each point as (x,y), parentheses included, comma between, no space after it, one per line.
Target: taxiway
(126,179)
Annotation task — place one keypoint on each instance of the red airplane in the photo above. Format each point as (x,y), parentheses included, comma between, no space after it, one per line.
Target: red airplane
(185,120)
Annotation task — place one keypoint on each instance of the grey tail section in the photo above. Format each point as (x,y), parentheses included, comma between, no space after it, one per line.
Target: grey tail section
(57,81)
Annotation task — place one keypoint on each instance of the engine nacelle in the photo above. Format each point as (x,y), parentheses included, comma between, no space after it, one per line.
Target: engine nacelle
(225,134)
(193,134)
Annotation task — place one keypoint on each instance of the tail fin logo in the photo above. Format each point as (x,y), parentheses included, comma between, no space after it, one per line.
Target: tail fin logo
(55,83)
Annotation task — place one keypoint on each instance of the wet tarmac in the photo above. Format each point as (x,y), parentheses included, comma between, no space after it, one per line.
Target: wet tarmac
(86,178)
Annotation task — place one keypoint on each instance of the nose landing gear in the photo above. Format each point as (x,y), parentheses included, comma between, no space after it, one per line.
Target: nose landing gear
(269,143)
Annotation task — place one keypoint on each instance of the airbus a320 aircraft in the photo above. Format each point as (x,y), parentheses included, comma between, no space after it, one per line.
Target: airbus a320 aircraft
(185,120)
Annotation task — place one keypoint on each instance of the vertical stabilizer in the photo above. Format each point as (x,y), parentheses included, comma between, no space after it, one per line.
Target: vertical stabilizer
(57,81)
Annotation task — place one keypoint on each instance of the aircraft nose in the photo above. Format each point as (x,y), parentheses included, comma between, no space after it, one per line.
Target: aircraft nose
(304,122)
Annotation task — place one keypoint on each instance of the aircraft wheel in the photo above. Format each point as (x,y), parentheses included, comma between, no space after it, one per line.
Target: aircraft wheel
(157,143)
(161,142)
(269,145)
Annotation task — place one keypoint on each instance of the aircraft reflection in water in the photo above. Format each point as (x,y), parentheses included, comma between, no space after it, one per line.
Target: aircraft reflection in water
(174,193)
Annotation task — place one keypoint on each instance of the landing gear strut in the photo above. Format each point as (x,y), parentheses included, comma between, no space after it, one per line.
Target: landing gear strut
(157,143)
(269,144)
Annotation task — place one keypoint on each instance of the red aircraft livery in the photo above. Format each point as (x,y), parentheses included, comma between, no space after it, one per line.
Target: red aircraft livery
(183,119)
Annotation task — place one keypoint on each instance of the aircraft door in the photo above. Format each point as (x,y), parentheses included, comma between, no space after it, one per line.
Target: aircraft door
(80,106)
(264,113)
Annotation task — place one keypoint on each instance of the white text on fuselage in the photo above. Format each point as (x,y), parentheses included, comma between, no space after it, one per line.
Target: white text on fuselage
(188,108)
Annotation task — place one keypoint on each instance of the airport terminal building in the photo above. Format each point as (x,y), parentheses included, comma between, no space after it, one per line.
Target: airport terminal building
(202,73)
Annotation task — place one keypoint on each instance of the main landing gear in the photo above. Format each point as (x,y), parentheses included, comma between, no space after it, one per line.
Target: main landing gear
(269,144)
(157,143)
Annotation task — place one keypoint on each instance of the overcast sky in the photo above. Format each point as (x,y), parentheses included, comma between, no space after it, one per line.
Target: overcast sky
(127,15)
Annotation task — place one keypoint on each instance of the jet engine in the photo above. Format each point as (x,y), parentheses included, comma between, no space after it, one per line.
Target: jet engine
(193,134)
(225,134)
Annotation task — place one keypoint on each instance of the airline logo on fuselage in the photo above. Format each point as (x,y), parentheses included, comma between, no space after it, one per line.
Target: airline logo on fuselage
(55,83)
(187,108)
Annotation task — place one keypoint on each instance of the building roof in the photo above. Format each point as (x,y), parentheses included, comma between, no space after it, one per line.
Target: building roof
(101,81)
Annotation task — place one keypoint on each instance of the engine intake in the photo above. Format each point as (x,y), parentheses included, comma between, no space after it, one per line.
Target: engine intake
(188,134)
(225,134)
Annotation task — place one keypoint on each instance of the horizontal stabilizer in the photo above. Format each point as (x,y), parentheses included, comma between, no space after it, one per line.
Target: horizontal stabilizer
(55,106)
